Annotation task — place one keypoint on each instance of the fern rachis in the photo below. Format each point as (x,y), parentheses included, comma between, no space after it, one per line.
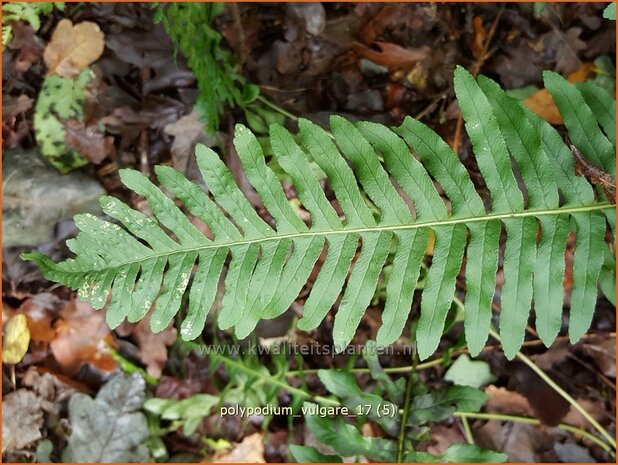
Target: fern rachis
(270,265)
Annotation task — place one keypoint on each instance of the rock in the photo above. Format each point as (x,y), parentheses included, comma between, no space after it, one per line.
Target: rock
(35,197)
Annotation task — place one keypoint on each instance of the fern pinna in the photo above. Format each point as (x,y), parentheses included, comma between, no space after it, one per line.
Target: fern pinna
(143,266)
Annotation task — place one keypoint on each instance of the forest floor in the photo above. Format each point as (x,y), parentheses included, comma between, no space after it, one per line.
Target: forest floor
(365,61)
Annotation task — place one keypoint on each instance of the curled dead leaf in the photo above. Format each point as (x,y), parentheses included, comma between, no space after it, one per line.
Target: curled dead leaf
(542,103)
(73,48)
(153,346)
(83,336)
(88,141)
(22,419)
(391,55)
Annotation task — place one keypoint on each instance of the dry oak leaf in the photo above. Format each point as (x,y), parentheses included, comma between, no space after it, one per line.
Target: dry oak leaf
(73,48)
(82,337)
(542,103)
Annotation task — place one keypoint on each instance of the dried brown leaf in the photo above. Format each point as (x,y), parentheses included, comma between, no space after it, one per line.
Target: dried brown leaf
(73,48)
(83,337)
(88,141)
(391,55)
(153,346)
(22,419)
(249,450)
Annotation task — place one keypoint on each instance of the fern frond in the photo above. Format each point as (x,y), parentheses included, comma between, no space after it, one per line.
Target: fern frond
(394,187)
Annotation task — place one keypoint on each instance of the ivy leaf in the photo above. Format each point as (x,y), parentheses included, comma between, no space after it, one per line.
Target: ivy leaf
(344,386)
(440,404)
(59,100)
(345,439)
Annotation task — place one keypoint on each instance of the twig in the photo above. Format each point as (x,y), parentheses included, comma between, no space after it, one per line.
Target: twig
(277,108)
(476,68)
(576,405)
(535,421)
(244,51)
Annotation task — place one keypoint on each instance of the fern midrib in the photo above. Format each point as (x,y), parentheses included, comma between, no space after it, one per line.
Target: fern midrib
(377,228)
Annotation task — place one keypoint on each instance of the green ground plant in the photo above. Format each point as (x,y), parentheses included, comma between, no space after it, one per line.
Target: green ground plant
(219,81)
(29,12)
(269,266)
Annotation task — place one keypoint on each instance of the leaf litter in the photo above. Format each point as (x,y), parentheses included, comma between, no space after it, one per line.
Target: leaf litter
(366,61)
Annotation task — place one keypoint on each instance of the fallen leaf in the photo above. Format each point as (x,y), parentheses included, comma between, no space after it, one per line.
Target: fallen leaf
(83,337)
(391,55)
(88,141)
(153,346)
(109,428)
(60,99)
(604,354)
(27,43)
(542,103)
(467,372)
(501,400)
(73,48)
(564,47)
(39,312)
(187,132)
(16,339)
(22,419)
(51,387)
(14,106)
(249,450)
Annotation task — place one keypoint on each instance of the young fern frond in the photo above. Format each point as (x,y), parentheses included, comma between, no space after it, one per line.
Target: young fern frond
(143,266)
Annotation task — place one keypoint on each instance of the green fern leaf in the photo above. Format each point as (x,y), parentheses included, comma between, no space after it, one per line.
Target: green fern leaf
(394,188)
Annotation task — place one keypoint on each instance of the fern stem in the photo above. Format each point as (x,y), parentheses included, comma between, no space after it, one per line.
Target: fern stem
(467,430)
(277,108)
(406,409)
(378,228)
(275,381)
(576,405)
(404,369)
(483,416)
(535,421)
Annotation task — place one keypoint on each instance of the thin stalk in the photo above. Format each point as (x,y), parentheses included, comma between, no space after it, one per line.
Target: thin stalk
(406,408)
(277,108)
(534,421)
(404,369)
(467,430)
(576,405)
(484,416)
